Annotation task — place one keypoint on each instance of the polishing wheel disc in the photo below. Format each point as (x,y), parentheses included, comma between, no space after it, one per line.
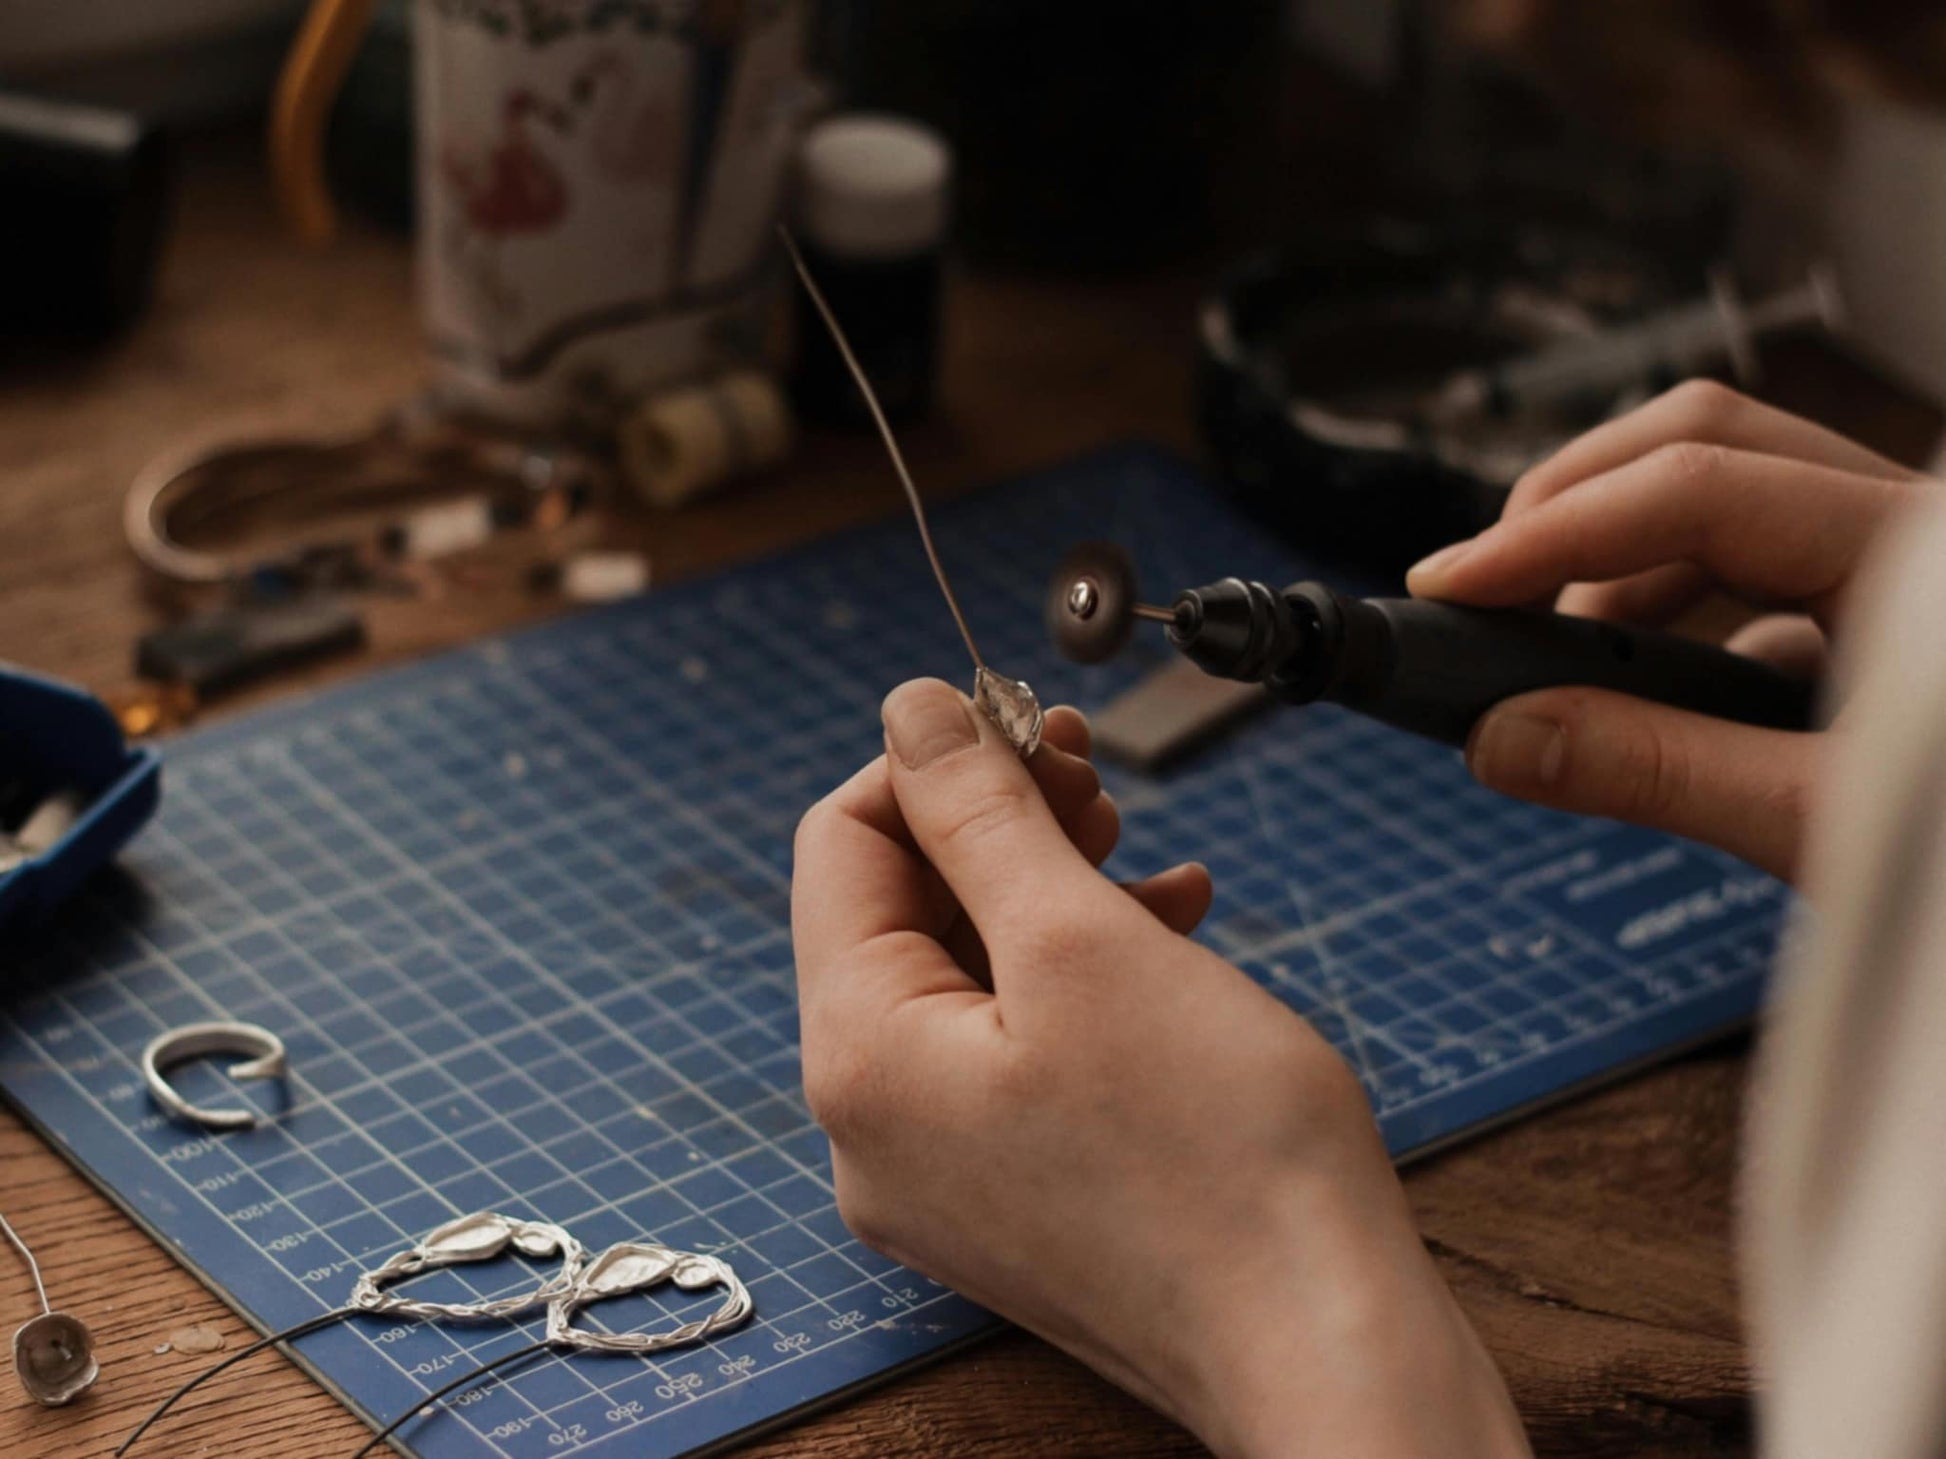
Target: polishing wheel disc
(1091,602)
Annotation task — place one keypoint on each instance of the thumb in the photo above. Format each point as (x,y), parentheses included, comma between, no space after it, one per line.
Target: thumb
(975,811)
(1603,754)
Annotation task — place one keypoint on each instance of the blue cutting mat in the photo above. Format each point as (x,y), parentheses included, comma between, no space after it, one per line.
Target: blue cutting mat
(520,913)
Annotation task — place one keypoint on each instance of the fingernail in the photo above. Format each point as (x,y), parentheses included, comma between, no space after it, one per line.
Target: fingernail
(1444,560)
(926,719)
(1521,754)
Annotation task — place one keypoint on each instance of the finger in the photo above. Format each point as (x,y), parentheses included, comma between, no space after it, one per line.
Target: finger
(1095,829)
(1787,641)
(1067,782)
(1652,599)
(1768,528)
(1179,898)
(1066,728)
(863,911)
(1603,754)
(1705,413)
(975,811)
(1072,788)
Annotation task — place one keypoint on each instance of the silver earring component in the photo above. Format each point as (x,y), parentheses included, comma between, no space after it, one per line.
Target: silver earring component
(479,1237)
(54,1354)
(1012,706)
(632,1266)
(639,1266)
(194,1040)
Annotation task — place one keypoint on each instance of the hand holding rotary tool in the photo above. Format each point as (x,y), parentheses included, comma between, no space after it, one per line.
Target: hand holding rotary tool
(1431,668)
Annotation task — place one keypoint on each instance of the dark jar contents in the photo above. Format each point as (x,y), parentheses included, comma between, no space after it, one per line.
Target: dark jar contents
(890,309)
(872,203)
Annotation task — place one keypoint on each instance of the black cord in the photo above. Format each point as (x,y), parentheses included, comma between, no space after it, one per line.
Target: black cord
(310,1324)
(465,1380)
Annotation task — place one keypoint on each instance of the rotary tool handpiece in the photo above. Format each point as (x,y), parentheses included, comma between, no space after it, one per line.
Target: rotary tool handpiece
(1436,668)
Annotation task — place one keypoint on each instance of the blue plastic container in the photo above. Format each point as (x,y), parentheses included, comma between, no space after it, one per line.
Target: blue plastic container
(61,738)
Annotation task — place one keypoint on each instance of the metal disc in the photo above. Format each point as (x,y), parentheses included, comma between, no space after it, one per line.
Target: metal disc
(1091,602)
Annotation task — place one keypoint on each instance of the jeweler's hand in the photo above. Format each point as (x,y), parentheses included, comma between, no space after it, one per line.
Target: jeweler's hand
(1700,491)
(1040,1092)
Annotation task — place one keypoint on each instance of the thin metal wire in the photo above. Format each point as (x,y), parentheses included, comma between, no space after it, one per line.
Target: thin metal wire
(885,434)
(310,1324)
(465,1380)
(32,1265)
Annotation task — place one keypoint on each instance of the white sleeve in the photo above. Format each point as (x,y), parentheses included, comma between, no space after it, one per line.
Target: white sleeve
(1845,1185)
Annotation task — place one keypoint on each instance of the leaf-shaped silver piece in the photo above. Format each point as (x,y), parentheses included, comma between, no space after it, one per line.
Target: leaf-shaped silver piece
(641,1266)
(479,1237)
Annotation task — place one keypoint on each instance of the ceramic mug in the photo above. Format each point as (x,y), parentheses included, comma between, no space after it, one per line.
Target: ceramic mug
(598,181)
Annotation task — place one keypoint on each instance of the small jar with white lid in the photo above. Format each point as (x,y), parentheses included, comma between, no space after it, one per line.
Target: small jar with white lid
(872,206)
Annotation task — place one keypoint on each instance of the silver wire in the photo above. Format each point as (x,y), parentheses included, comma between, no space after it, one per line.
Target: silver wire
(32,1265)
(885,434)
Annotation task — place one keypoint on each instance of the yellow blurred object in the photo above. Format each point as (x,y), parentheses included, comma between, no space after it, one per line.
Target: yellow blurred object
(313,72)
(678,446)
(153,709)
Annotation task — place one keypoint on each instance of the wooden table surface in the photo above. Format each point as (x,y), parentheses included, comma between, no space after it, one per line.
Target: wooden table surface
(1591,1244)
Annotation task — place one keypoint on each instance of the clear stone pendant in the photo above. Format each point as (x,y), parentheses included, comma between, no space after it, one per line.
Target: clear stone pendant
(1011,705)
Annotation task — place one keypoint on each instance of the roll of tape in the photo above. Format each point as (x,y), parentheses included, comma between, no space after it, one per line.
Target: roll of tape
(678,446)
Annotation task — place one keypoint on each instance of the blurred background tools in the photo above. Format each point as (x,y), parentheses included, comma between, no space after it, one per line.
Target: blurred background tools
(1431,668)
(347,511)
(1371,393)
(681,444)
(258,548)
(87,195)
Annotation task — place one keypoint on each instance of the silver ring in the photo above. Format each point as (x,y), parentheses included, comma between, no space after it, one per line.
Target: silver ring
(193,1041)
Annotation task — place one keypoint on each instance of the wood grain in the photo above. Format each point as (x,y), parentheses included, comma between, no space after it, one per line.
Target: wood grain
(1592,1244)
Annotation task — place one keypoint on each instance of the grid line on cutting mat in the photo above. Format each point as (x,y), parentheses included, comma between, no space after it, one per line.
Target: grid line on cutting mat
(521,915)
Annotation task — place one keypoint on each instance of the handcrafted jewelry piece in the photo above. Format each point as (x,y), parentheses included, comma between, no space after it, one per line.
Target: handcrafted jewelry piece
(630,1267)
(54,1354)
(636,1266)
(1009,703)
(640,1266)
(193,1041)
(479,1237)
